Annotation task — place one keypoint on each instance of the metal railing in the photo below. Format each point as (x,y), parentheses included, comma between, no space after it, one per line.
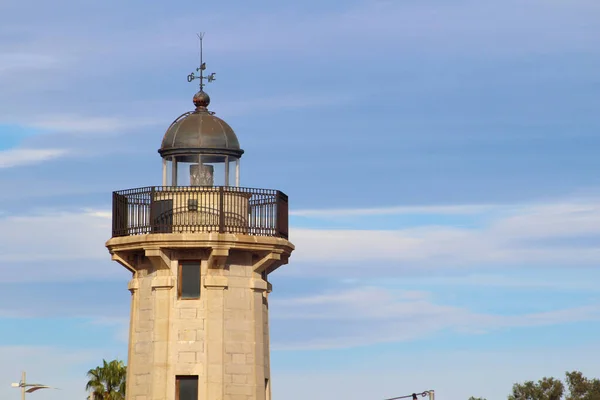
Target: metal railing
(192,209)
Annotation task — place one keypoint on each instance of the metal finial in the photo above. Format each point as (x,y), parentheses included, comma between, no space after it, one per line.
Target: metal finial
(201,68)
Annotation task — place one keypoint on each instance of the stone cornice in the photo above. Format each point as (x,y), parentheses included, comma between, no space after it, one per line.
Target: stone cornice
(271,252)
(198,240)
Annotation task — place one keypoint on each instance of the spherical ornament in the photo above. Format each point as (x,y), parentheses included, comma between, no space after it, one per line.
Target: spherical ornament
(201,99)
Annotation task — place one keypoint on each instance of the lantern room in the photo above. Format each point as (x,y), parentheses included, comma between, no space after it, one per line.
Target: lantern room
(200,149)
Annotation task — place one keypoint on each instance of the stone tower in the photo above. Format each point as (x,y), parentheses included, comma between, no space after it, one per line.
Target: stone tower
(200,249)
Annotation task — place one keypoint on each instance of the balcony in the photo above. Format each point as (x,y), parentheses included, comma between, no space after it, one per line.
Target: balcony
(199,209)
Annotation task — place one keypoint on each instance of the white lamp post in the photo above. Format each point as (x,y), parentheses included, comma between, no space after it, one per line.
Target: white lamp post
(28,387)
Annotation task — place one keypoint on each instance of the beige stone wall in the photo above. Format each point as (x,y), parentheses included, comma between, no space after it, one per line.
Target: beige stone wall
(223,337)
(141,336)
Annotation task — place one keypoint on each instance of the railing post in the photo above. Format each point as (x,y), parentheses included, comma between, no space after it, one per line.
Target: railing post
(221,210)
(120,219)
(282,216)
(115,215)
(153,222)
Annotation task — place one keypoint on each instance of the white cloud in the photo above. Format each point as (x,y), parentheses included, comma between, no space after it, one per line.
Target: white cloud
(291,101)
(552,220)
(69,123)
(534,235)
(56,236)
(574,282)
(70,128)
(361,212)
(21,62)
(529,236)
(168,109)
(20,157)
(47,188)
(368,315)
(55,247)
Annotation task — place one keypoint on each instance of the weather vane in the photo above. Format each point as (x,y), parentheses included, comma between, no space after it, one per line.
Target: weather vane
(201,68)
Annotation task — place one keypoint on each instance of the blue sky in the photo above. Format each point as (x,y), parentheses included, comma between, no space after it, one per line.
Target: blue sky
(440,158)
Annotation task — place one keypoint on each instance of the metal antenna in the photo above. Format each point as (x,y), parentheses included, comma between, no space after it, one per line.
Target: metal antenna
(201,68)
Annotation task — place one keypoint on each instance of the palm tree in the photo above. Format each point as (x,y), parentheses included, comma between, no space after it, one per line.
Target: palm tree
(107,382)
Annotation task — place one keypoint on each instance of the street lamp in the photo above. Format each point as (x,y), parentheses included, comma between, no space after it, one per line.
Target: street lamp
(430,393)
(28,387)
(415,396)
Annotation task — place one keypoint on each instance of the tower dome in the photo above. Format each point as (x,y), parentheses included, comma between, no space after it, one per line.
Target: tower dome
(199,132)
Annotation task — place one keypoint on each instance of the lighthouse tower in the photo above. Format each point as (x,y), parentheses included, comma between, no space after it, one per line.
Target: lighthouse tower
(200,249)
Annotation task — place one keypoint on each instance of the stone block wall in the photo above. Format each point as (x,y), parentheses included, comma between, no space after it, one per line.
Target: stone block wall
(222,337)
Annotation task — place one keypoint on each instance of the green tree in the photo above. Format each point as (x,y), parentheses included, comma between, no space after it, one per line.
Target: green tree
(107,382)
(544,389)
(476,398)
(582,388)
(578,388)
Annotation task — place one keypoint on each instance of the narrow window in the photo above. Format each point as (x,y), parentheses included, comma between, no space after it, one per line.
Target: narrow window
(186,388)
(189,280)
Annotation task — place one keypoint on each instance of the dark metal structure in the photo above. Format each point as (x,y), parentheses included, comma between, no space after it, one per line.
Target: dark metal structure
(200,190)
(201,131)
(259,212)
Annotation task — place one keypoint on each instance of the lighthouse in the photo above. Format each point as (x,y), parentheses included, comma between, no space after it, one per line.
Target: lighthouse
(200,248)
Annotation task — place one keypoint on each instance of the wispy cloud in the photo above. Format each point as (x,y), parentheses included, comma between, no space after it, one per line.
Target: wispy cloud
(463,26)
(558,235)
(21,157)
(437,209)
(368,315)
(21,62)
(375,26)
(380,28)
(65,123)
(525,281)
(287,101)
(54,236)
